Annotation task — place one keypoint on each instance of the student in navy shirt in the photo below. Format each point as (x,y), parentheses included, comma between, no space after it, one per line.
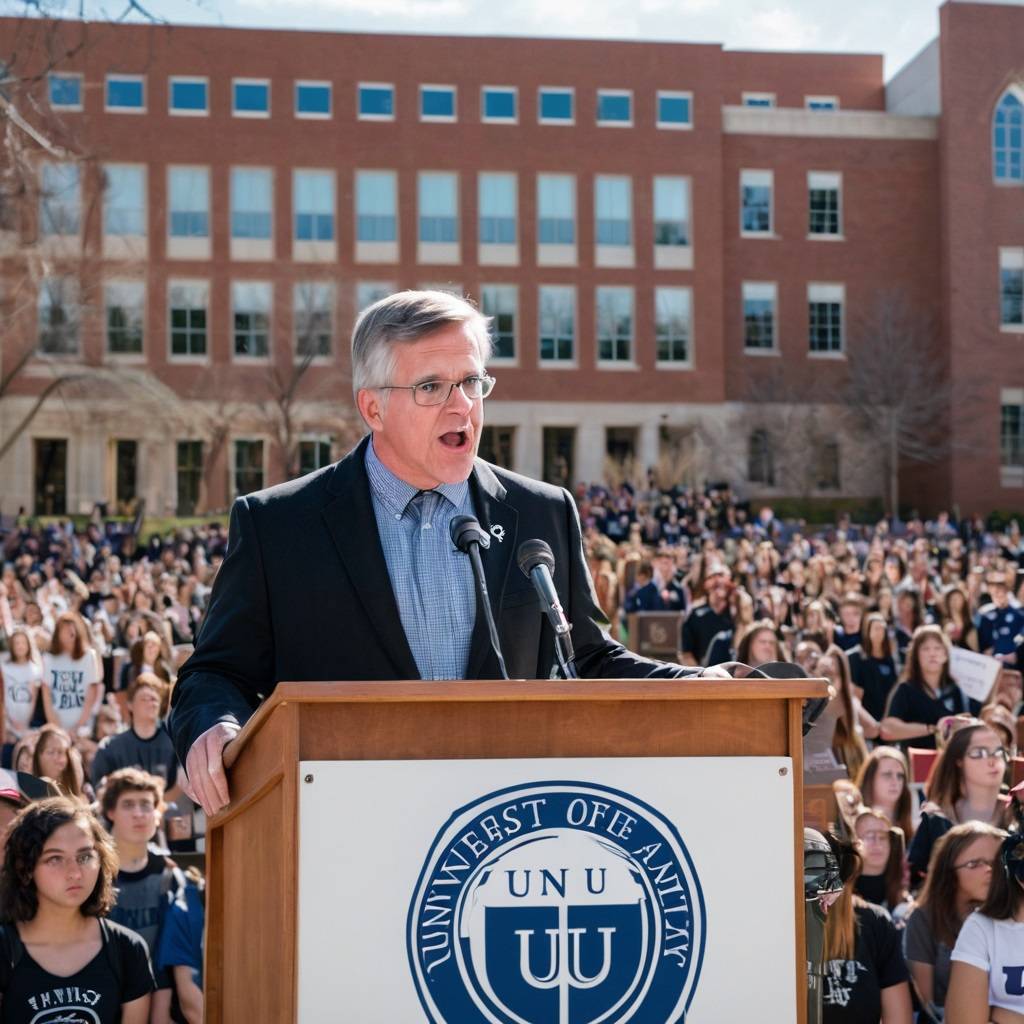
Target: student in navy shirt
(999,624)
(873,665)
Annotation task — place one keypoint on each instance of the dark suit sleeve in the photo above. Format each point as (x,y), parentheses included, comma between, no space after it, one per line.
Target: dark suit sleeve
(234,657)
(597,655)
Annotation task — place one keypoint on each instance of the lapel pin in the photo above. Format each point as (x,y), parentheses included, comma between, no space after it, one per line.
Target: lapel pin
(498,532)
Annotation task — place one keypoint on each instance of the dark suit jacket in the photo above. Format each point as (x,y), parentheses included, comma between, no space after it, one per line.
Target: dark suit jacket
(304,594)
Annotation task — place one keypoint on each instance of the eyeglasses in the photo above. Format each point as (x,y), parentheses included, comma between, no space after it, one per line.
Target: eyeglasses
(974,864)
(875,837)
(85,859)
(983,753)
(437,392)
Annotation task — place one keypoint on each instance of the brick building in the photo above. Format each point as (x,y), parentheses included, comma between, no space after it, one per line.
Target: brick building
(682,247)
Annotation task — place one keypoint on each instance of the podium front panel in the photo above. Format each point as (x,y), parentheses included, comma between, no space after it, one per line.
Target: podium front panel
(547,891)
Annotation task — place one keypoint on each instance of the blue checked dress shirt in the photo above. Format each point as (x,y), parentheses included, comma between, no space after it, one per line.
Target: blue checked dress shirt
(432,580)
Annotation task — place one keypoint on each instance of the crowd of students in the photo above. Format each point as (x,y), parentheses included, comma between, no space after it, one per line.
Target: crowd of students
(93,626)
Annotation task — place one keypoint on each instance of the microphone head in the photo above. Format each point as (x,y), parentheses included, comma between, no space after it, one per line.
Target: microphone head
(532,553)
(465,530)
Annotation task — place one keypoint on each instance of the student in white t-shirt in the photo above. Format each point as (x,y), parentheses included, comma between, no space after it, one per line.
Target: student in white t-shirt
(21,673)
(987,978)
(73,676)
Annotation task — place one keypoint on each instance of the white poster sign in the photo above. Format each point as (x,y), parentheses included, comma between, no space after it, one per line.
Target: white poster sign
(562,891)
(974,673)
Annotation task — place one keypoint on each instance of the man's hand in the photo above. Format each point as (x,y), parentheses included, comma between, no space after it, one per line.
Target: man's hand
(207,782)
(727,670)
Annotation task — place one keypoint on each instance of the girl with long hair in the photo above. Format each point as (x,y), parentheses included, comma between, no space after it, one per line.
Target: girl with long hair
(876,667)
(882,847)
(22,673)
(73,675)
(55,758)
(959,875)
(883,781)
(957,622)
(850,718)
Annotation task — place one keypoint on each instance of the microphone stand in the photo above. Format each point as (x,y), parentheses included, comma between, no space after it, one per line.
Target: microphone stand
(485,600)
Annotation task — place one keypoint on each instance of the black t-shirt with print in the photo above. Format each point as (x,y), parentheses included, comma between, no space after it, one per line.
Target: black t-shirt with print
(852,990)
(911,703)
(119,973)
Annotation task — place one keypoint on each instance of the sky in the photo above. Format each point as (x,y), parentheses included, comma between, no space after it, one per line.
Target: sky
(898,29)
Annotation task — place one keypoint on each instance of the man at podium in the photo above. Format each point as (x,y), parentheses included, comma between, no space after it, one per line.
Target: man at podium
(351,573)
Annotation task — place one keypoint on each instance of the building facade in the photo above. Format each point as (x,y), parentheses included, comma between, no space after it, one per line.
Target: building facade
(682,248)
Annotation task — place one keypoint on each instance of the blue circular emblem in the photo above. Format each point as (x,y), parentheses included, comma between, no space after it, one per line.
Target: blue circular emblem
(557,903)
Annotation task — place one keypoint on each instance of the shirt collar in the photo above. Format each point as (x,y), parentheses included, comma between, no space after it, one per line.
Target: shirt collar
(395,494)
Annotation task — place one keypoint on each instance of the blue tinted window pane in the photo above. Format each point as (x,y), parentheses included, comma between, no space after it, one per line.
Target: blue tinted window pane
(124,93)
(821,105)
(757,101)
(188,95)
(437,103)
(252,98)
(757,208)
(556,106)
(313,99)
(613,108)
(674,110)
(500,104)
(377,101)
(314,227)
(65,91)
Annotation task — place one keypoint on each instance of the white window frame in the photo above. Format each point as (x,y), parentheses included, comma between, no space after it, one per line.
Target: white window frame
(440,118)
(517,338)
(1010,258)
(188,357)
(320,359)
(561,364)
(187,80)
(514,89)
(675,364)
(565,90)
(145,200)
(751,99)
(241,357)
(819,181)
(376,85)
(833,100)
(760,290)
(616,364)
(613,93)
(757,178)
(314,115)
(141,79)
(81,90)
(248,439)
(828,291)
(258,114)
(110,284)
(673,126)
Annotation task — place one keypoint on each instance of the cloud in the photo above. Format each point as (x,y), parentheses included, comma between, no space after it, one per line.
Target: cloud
(778,28)
(422,15)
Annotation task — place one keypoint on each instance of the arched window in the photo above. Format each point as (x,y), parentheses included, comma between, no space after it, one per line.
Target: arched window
(1008,137)
(760,459)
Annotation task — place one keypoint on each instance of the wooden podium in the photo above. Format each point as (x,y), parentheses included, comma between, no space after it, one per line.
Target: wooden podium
(252,846)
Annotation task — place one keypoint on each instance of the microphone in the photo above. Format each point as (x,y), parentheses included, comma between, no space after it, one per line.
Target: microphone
(469,536)
(536,561)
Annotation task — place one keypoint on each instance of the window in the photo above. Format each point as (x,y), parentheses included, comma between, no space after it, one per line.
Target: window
(823,195)
(250,311)
(556,209)
(314,454)
(376,101)
(497,208)
(250,97)
(314,206)
(314,319)
(758,99)
(189,191)
(437,102)
(189,465)
(369,292)
(671,211)
(252,191)
(65,91)
(51,476)
(756,202)
(376,206)
(1011,288)
(438,206)
(58,316)
(248,466)
(313,99)
(126,472)
(826,467)
(613,210)
(499,302)
(825,318)
(125,93)
(759,298)
(498,104)
(672,325)
(187,305)
(189,96)
(559,446)
(555,106)
(557,321)
(614,325)
(497,445)
(1008,138)
(125,304)
(615,107)
(821,102)
(1011,429)
(124,200)
(760,459)
(675,109)
(59,200)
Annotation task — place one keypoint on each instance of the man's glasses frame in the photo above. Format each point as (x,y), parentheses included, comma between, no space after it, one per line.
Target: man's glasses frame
(433,392)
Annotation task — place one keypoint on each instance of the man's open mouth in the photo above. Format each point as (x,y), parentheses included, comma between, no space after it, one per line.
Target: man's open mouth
(454,438)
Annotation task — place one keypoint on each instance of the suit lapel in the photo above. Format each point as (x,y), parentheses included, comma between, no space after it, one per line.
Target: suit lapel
(351,522)
(499,519)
